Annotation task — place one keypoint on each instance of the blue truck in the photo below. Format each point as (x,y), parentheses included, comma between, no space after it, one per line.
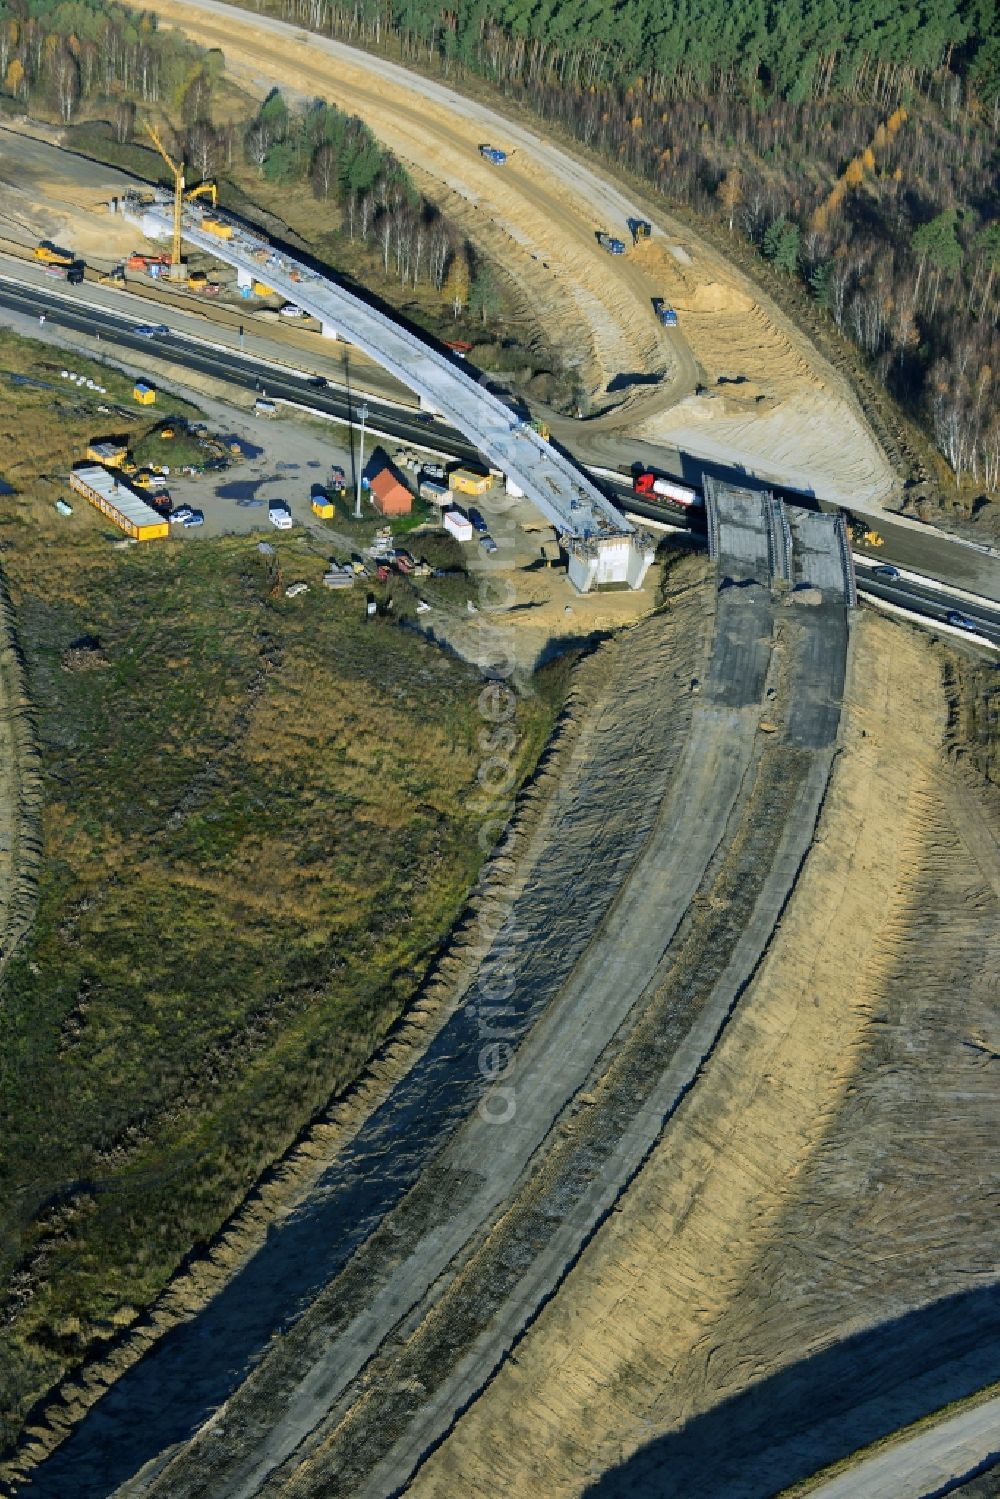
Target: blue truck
(666,315)
(494,155)
(609,243)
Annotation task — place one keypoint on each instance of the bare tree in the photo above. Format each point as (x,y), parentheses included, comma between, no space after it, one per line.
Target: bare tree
(123,121)
(65,77)
(324,170)
(385,237)
(438,251)
(257,142)
(196,101)
(203,149)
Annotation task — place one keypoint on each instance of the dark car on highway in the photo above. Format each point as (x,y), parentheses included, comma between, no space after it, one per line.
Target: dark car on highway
(885,570)
(961,621)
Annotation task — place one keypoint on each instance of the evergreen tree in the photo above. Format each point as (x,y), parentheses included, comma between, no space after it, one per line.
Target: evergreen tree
(781,245)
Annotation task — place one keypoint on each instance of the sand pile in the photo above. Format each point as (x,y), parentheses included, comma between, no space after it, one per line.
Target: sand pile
(712,296)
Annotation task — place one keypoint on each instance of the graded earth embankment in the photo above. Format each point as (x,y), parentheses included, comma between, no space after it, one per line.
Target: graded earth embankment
(20,792)
(708,888)
(825,1178)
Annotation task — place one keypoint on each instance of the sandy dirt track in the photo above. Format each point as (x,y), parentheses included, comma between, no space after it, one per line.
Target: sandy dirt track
(826,1175)
(793,420)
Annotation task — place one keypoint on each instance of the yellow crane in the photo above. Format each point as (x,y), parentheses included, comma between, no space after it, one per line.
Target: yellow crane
(177,172)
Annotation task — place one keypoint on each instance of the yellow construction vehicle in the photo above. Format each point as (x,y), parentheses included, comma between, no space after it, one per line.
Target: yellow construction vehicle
(177,172)
(864,535)
(51,254)
(204,189)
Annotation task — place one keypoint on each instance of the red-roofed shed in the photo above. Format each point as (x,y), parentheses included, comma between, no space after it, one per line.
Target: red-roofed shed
(389,496)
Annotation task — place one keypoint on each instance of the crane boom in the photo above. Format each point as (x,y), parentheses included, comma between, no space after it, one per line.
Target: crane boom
(177,172)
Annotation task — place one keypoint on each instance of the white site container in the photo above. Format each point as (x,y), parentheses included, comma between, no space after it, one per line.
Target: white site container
(458,524)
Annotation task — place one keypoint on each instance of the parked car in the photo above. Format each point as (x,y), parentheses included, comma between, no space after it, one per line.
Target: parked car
(196,518)
(181,514)
(961,621)
(479,524)
(487,543)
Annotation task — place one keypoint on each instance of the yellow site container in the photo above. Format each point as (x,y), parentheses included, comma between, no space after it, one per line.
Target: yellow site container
(323,508)
(468,481)
(260,290)
(111,454)
(119,503)
(217,227)
(143,393)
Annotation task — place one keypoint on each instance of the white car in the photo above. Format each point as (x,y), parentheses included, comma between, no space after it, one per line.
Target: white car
(181,514)
(290,310)
(279,515)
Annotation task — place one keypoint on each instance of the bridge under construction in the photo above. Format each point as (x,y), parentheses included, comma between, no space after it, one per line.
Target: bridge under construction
(602,545)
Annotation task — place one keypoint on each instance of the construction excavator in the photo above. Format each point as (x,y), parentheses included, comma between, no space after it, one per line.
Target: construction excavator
(204,189)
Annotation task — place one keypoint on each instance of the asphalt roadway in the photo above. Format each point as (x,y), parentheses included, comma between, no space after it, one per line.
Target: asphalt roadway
(929,602)
(955,563)
(934,1461)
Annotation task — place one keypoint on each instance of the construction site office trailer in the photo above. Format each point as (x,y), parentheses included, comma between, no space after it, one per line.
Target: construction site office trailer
(119,502)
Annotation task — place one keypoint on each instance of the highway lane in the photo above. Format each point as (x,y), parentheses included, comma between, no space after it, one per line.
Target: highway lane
(241,370)
(931,603)
(927,554)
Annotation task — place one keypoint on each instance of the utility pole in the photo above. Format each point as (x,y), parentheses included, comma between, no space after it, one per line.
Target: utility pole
(363,413)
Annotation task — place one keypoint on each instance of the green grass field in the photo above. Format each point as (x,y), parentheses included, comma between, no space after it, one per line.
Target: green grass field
(256,835)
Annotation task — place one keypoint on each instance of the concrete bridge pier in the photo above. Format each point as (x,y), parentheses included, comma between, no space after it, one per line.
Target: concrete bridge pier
(328,330)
